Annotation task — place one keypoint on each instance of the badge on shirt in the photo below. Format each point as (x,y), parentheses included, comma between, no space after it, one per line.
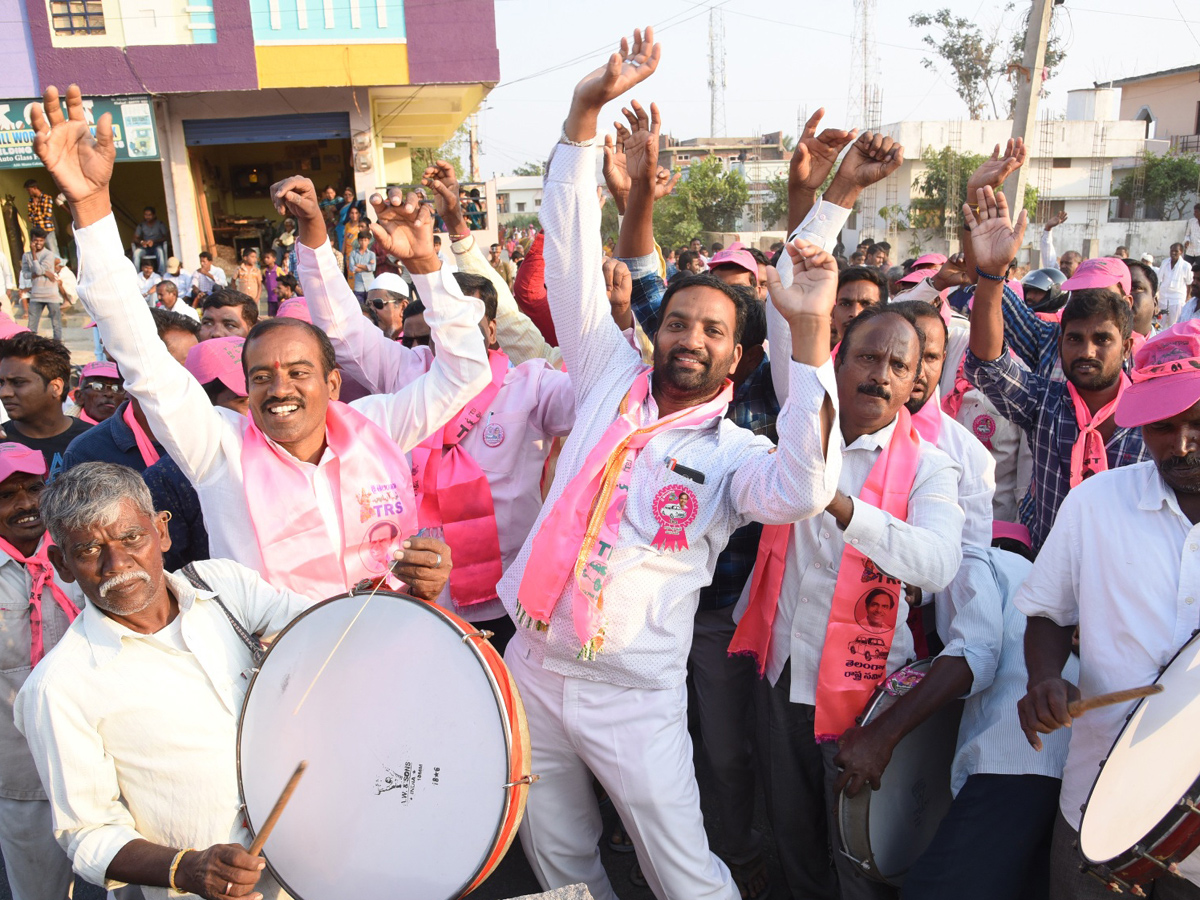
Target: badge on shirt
(984,427)
(674,509)
(493,434)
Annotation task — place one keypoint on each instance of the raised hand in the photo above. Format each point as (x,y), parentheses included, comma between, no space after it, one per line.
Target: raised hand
(618,285)
(405,230)
(872,158)
(443,181)
(296,197)
(633,63)
(641,143)
(995,240)
(1056,220)
(616,174)
(80,164)
(815,154)
(665,182)
(994,170)
(952,274)
(813,290)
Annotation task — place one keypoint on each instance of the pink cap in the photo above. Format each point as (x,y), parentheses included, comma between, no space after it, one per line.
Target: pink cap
(1013,530)
(1102,272)
(103,369)
(219,359)
(915,276)
(294,308)
(935,260)
(9,327)
(1166,377)
(19,458)
(735,255)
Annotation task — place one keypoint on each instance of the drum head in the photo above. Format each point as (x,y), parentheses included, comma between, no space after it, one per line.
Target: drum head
(407,749)
(1153,764)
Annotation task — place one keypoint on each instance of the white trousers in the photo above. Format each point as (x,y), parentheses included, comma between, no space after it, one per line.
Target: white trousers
(637,745)
(37,867)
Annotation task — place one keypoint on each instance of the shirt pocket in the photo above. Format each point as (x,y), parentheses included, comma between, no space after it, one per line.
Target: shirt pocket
(502,436)
(15,638)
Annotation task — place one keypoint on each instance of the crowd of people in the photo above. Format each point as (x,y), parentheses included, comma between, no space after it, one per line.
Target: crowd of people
(757,484)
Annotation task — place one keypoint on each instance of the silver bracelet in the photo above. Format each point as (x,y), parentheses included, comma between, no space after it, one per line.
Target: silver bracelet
(563,139)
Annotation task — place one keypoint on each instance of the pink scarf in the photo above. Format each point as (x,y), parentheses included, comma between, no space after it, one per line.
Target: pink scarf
(371,480)
(928,419)
(1087,454)
(954,400)
(41,572)
(854,658)
(581,530)
(144,444)
(84,417)
(453,493)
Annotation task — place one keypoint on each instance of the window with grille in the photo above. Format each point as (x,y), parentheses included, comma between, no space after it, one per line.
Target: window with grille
(77,16)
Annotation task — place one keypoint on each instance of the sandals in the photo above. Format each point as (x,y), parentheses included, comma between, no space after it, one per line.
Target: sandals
(619,841)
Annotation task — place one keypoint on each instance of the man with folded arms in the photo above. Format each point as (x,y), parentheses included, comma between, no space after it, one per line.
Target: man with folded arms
(1121,565)
(132,720)
(477,479)
(650,485)
(36,609)
(294,490)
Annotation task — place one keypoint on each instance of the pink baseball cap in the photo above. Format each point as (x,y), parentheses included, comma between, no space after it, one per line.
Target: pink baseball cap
(735,255)
(9,327)
(100,369)
(19,458)
(1166,377)
(929,259)
(1012,530)
(1102,272)
(294,308)
(219,359)
(916,276)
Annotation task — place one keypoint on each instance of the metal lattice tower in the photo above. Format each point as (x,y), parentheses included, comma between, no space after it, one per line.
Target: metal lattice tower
(862,63)
(953,201)
(868,202)
(1096,197)
(716,72)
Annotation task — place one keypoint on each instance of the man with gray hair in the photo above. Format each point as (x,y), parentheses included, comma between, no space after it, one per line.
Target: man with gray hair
(138,778)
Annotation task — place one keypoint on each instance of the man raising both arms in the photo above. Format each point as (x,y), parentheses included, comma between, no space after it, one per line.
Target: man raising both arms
(650,485)
(294,490)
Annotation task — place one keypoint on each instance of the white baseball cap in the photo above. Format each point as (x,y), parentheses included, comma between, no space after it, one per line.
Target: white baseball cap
(390,281)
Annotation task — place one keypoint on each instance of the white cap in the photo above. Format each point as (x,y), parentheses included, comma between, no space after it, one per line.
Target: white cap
(1148,258)
(389,281)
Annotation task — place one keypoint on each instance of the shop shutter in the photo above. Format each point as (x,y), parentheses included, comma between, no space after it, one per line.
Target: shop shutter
(266,129)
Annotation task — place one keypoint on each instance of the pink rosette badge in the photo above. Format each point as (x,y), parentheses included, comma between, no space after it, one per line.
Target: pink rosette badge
(674,509)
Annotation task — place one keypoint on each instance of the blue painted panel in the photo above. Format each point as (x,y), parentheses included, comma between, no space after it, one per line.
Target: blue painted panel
(266,129)
(341,12)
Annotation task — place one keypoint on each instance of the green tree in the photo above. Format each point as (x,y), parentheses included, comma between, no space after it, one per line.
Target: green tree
(1171,179)
(530,168)
(675,222)
(715,196)
(943,181)
(776,207)
(451,152)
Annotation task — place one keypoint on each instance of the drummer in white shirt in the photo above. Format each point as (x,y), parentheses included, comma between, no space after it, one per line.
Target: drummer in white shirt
(132,719)
(601,660)
(1122,563)
(293,490)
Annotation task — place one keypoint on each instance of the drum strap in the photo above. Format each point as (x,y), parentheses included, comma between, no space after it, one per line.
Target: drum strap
(253,644)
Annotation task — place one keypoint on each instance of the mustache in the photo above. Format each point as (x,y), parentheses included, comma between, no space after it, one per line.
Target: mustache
(122,579)
(875,390)
(283,401)
(1187,463)
(21,514)
(698,355)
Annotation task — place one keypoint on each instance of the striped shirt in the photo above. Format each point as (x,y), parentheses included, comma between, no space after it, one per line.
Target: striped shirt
(1044,410)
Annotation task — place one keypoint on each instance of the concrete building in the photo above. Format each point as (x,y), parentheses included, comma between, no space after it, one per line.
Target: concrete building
(517,195)
(758,158)
(1168,102)
(354,88)
(1071,163)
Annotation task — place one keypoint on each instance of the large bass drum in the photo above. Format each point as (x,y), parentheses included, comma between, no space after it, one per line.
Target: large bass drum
(417,749)
(1141,818)
(885,831)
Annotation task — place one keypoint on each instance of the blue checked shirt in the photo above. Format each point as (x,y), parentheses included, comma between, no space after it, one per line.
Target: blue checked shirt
(1043,409)
(754,407)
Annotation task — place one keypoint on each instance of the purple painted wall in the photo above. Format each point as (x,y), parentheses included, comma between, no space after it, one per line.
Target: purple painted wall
(227,65)
(465,51)
(18,76)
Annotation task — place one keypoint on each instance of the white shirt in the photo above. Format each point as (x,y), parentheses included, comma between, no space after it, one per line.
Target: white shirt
(650,601)
(1049,256)
(976,480)
(18,776)
(136,739)
(206,441)
(183,308)
(1173,282)
(146,285)
(978,622)
(1123,563)
(182,280)
(1191,236)
(534,405)
(207,281)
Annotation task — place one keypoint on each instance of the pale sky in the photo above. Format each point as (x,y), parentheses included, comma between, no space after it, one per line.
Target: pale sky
(783,58)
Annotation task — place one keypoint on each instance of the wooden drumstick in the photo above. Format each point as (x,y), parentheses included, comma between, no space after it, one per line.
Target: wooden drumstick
(277,809)
(1079,707)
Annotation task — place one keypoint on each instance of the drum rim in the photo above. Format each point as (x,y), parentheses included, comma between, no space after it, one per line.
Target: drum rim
(867,864)
(483,664)
(1168,823)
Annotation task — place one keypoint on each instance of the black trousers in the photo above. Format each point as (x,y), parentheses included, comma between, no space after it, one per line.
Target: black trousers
(994,844)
